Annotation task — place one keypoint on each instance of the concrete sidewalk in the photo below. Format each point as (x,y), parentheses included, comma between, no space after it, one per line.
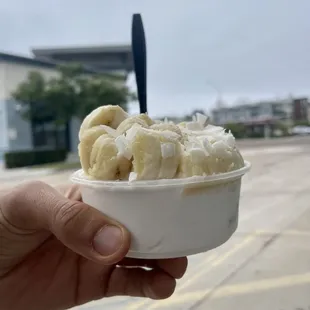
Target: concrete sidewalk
(23,173)
(277,278)
(266,264)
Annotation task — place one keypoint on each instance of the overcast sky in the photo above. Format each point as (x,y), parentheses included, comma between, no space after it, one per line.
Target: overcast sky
(196,49)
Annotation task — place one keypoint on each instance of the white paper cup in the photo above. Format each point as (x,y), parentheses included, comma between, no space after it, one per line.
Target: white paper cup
(169,218)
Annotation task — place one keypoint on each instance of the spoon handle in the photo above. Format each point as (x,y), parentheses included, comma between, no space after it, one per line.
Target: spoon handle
(139,58)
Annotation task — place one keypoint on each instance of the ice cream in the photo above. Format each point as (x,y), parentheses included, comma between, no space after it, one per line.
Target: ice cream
(115,146)
(175,187)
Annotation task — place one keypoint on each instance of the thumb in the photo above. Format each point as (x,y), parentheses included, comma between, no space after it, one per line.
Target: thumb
(83,229)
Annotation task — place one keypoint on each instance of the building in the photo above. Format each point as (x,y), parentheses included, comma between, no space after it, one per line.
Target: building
(301,110)
(17,133)
(116,59)
(263,117)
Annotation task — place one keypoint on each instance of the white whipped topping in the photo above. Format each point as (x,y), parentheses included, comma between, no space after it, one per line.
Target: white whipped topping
(198,155)
(206,145)
(195,126)
(132,176)
(207,140)
(170,134)
(221,149)
(123,147)
(201,119)
(131,132)
(230,140)
(179,150)
(200,140)
(214,129)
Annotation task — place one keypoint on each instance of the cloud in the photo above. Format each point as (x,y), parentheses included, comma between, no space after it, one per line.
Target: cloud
(196,49)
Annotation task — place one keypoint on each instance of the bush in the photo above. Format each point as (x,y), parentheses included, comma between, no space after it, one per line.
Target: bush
(34,157)
(301,123)
(238,130)
(256,135)
(281,127)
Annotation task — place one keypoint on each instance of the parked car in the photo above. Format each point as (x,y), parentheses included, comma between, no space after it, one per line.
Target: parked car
(301,130)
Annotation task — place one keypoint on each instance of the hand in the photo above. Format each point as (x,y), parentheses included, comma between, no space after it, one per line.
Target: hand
(57,252)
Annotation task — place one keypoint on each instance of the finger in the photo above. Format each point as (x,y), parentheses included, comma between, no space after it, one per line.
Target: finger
(70,191)
(80,227)
(154,284)
(175,267)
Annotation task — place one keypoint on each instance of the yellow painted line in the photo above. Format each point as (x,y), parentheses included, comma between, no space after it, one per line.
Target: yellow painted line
(257,211)
(250,215)
(245,217)
(263,285)
(236,248)
(293,233)
(207,260)
(297,233)
(138,305)
(237,289)
(215,263)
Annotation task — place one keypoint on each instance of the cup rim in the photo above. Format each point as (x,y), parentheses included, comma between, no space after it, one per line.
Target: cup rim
(78,177)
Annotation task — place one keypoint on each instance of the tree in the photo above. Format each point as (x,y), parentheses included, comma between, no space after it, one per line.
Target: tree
(30,94)
(62,97)
(72,93)
(101,90)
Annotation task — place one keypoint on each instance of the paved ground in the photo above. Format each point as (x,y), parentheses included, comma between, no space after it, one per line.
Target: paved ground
(9,178)
(266,264)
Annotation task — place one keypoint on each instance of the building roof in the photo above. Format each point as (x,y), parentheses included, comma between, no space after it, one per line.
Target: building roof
(7,57)
(23,60)
(47,51)
(95,59)
(102,57)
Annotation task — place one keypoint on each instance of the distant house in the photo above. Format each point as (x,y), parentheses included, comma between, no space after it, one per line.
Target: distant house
(17,133)
(263,116)
(301,110)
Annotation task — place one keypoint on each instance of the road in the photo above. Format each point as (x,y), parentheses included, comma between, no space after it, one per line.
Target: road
(266,263)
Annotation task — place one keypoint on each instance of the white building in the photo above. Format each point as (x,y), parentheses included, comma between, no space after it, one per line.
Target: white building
(263,116)
(265,111)
(256,112)
(17,133)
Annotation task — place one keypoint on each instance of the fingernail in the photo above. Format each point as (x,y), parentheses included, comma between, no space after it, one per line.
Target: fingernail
(108,240)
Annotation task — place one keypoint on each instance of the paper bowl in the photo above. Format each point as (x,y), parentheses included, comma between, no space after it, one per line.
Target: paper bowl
(169,218)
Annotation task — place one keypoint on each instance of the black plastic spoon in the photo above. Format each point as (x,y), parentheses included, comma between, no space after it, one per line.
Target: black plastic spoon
(138,46)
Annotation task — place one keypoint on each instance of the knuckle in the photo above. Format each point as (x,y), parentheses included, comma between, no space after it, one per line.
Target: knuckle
(22,192)
(19,204)
(68,213)
(32,186)
(19,195)
(36,183)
